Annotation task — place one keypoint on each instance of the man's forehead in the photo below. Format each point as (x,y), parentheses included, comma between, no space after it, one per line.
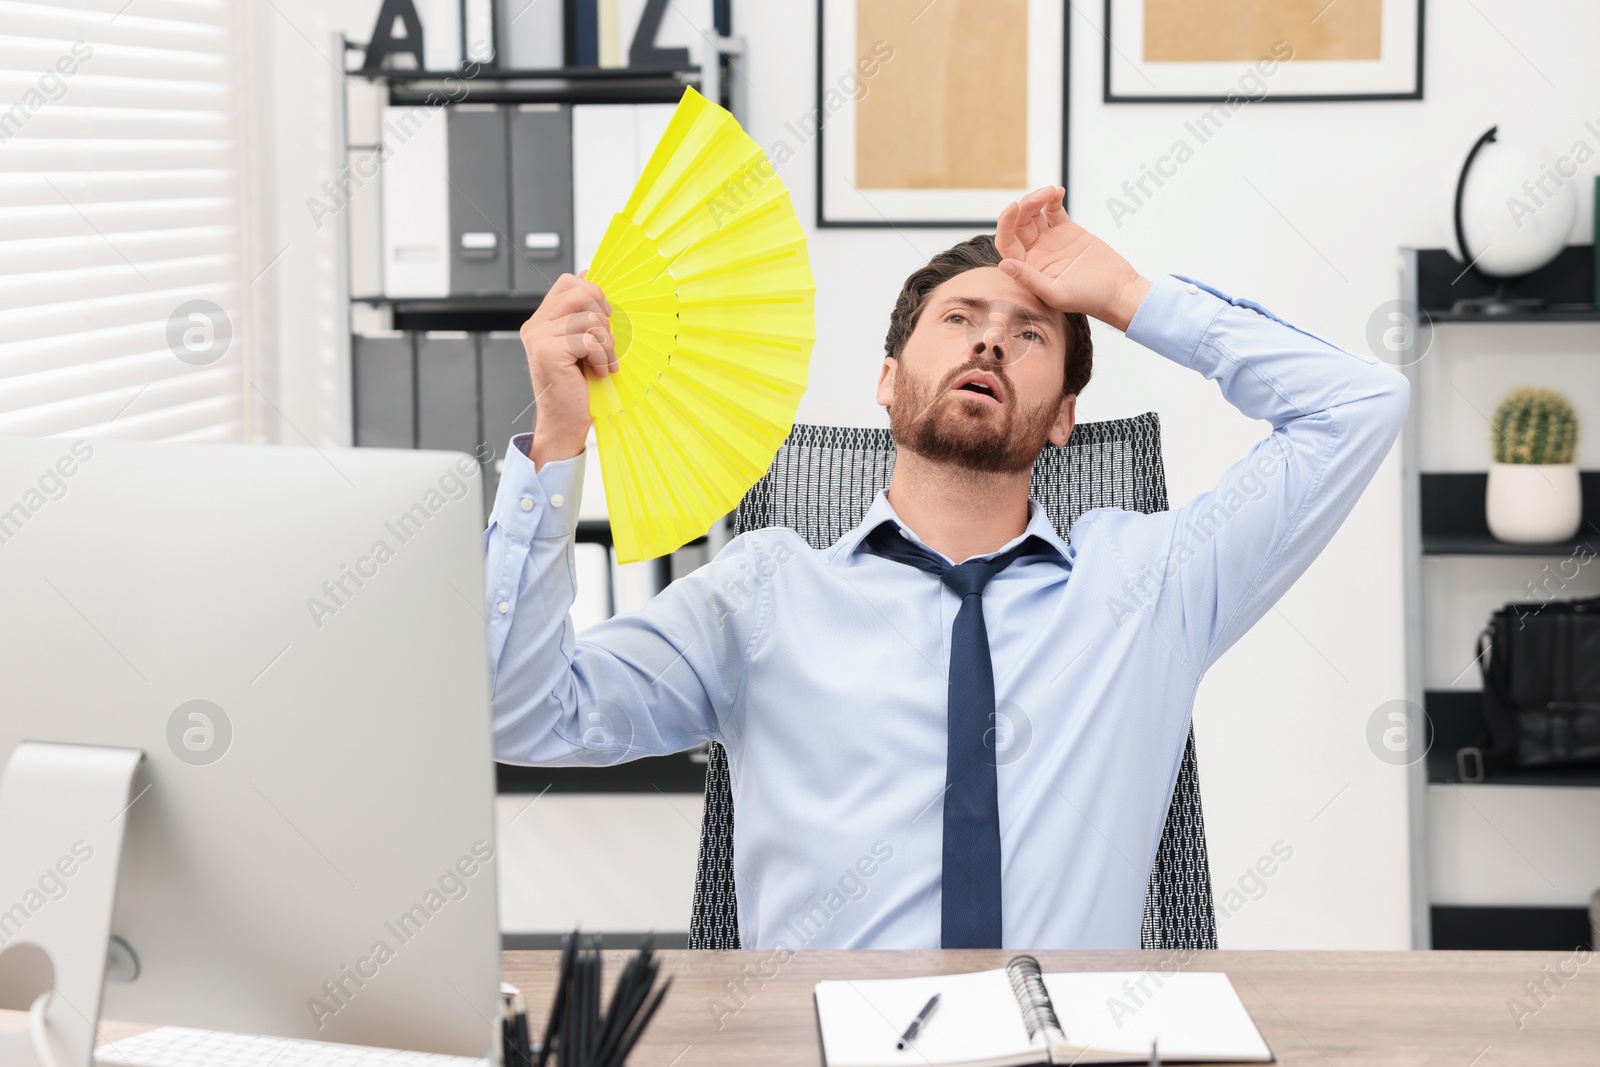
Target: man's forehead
(987,289)
(960,296)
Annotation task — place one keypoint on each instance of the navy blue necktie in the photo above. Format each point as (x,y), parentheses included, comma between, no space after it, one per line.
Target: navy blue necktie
(970,914)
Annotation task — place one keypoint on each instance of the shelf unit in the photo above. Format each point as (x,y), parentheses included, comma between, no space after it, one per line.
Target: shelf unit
(1453,522)
(1443,515)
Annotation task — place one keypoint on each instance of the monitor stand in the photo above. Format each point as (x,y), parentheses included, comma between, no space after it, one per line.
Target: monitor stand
(63,810)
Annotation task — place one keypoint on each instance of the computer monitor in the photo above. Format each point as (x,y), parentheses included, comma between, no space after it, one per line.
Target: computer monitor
(295,639)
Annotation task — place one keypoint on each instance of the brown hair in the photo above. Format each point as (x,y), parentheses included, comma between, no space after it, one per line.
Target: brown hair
(979,252)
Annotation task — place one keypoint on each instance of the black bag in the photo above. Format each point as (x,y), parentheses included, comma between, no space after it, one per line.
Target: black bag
(1541,688)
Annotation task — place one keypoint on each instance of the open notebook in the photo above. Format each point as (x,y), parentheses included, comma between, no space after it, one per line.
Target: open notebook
(1017,1015)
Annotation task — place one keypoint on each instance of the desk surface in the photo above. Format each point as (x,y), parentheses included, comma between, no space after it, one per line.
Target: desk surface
(1318,1009)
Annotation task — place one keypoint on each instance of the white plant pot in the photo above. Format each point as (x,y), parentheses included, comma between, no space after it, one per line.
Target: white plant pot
(1534,503)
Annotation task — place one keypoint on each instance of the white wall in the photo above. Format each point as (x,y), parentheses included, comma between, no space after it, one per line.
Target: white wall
(607,862)
(1513,845)
(1300,207)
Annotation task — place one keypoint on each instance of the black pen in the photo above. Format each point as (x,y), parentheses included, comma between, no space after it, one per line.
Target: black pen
(916,1024)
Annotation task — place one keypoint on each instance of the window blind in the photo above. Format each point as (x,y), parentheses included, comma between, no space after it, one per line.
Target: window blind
(120,288)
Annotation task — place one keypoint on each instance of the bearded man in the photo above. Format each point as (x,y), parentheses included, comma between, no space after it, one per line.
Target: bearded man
(859,689)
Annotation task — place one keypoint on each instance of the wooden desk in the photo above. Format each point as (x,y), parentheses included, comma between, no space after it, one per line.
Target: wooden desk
(1318,1009)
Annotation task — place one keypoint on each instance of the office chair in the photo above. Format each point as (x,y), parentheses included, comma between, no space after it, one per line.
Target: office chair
(820,485)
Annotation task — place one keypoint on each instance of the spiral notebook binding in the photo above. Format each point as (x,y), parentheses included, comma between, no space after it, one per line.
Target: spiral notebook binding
(1027,982)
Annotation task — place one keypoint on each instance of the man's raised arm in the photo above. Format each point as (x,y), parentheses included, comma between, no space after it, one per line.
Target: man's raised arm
(659,680)
(1211,569)
(1215,566)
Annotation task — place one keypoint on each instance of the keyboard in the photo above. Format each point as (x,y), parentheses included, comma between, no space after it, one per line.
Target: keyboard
(179,1046)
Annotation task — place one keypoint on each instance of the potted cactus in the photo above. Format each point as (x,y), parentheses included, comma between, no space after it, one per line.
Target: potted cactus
(1534,495)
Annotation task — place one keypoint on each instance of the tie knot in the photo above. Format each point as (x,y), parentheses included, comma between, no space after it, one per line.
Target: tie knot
(971,577)
(964,579)
(968,579)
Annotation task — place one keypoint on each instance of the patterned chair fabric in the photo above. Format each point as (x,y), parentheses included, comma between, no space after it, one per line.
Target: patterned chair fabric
(820,485)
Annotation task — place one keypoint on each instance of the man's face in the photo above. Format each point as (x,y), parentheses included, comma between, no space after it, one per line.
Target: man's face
(980,325)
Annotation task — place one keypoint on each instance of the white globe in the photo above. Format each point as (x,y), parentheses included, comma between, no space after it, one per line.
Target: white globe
(1513,225)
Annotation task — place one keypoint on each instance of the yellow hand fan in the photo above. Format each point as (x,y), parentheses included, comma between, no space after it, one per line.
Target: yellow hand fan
(712,313)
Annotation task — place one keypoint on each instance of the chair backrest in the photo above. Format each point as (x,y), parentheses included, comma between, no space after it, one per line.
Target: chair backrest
(820,485)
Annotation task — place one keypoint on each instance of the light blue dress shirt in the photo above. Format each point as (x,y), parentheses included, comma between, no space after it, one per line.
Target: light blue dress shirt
(823,670)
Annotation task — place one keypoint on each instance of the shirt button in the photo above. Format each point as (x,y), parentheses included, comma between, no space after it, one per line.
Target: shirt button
(1192,289)
(905,533)
(557,500)
(527,504)
(504,607)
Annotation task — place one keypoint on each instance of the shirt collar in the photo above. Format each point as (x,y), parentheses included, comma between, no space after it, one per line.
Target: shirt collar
(882,511)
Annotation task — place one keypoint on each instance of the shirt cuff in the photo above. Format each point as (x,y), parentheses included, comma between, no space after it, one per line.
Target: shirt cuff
(1174,316)
(534,504)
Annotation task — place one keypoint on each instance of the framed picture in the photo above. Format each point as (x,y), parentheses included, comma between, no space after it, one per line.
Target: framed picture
(938,113)
(1172,51)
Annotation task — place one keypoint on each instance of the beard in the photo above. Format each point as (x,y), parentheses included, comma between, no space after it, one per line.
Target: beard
(964,431)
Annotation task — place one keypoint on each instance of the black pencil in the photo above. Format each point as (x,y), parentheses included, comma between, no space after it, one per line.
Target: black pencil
(615,1015)
(620,1056)
(580,1041)
(637,1029)
(639,978)
(594,1007)
(580,1044)
(558,1005)
(568,1048)
(524,1041)
(591,1018)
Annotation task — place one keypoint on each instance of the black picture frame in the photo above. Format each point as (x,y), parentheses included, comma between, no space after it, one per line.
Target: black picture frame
(824,223)
(1108,97)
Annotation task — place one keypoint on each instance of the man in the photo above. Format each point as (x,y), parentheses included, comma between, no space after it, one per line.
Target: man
(926,754)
